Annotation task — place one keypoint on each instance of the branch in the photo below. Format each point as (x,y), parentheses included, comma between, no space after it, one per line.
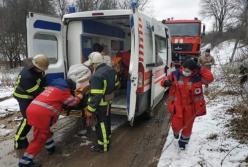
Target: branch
(228,154)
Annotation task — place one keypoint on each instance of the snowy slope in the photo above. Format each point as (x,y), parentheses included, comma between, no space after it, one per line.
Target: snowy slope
(223,52)
(209,144)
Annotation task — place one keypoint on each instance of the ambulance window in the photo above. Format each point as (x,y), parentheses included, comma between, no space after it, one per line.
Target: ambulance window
(47,45)
(161,51)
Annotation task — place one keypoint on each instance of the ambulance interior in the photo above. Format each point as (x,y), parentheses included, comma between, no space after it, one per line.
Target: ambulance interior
(113,33)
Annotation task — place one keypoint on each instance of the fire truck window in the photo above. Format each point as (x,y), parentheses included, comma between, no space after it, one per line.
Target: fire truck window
(160,49)
(47,45)
(184,29)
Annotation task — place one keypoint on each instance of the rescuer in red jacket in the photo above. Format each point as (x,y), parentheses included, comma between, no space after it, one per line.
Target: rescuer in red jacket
(186,100)
(125,61)
(43,112)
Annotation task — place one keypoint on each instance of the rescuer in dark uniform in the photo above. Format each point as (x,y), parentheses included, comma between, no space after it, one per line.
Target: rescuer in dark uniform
(102,84)
(29,83)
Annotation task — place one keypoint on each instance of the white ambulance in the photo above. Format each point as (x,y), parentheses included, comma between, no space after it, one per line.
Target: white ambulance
(70,41)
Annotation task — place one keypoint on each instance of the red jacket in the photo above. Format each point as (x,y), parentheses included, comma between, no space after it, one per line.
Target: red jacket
(125,57)
(49,105)
(186,93)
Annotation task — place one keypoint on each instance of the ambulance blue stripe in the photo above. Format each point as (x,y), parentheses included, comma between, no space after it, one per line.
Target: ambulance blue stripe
(52,76)
(47,25)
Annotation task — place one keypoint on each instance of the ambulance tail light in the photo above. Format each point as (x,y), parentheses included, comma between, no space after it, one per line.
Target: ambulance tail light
(98,14)
(140,80)
(140,87)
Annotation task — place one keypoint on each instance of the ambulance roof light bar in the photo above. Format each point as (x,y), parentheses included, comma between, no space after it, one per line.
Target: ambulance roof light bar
(71,7)
(134,5)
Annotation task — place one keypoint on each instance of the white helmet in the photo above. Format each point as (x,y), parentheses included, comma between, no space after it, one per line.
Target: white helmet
(94,58)
(40,61)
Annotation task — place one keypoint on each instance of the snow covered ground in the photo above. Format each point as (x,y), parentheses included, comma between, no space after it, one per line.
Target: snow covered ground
(6,92)
(7,80)
(210,144)
(8,106)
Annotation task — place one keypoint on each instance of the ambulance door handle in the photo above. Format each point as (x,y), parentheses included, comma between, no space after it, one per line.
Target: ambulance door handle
(133,79)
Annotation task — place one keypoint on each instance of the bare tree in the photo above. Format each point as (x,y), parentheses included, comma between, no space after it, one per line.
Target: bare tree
(12,47)
(107,4)
(85,5)
(60,7)
(220,10)
(125,4)
(13,27)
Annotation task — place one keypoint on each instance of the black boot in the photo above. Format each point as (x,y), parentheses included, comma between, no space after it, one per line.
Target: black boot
(27,161)
(181,145)
(50,146)
(183,141)
(96,148)
(32,164)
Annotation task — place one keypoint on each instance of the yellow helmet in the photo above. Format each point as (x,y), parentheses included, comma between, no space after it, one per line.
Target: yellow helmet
(41,62)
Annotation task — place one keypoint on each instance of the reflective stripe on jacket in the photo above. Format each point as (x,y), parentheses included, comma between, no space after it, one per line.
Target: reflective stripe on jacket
(29,84)
(53,98)
(102,84)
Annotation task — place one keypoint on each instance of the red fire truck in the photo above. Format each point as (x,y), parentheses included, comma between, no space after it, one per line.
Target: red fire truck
(185,38)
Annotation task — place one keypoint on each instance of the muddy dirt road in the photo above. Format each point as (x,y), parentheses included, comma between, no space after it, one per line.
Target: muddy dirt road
(138,146)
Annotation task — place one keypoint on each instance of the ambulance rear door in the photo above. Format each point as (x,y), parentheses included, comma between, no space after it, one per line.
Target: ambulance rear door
(44,36)
(133,69)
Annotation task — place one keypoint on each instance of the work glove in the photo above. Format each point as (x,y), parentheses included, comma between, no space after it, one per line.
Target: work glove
(90,118)
(167,83)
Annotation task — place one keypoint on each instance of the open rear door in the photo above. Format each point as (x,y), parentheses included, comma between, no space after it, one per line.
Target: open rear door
(44,36)
(160,56)
(153,68)
(133,70)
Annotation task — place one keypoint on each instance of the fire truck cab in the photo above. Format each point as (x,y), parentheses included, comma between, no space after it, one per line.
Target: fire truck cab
(186,38)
